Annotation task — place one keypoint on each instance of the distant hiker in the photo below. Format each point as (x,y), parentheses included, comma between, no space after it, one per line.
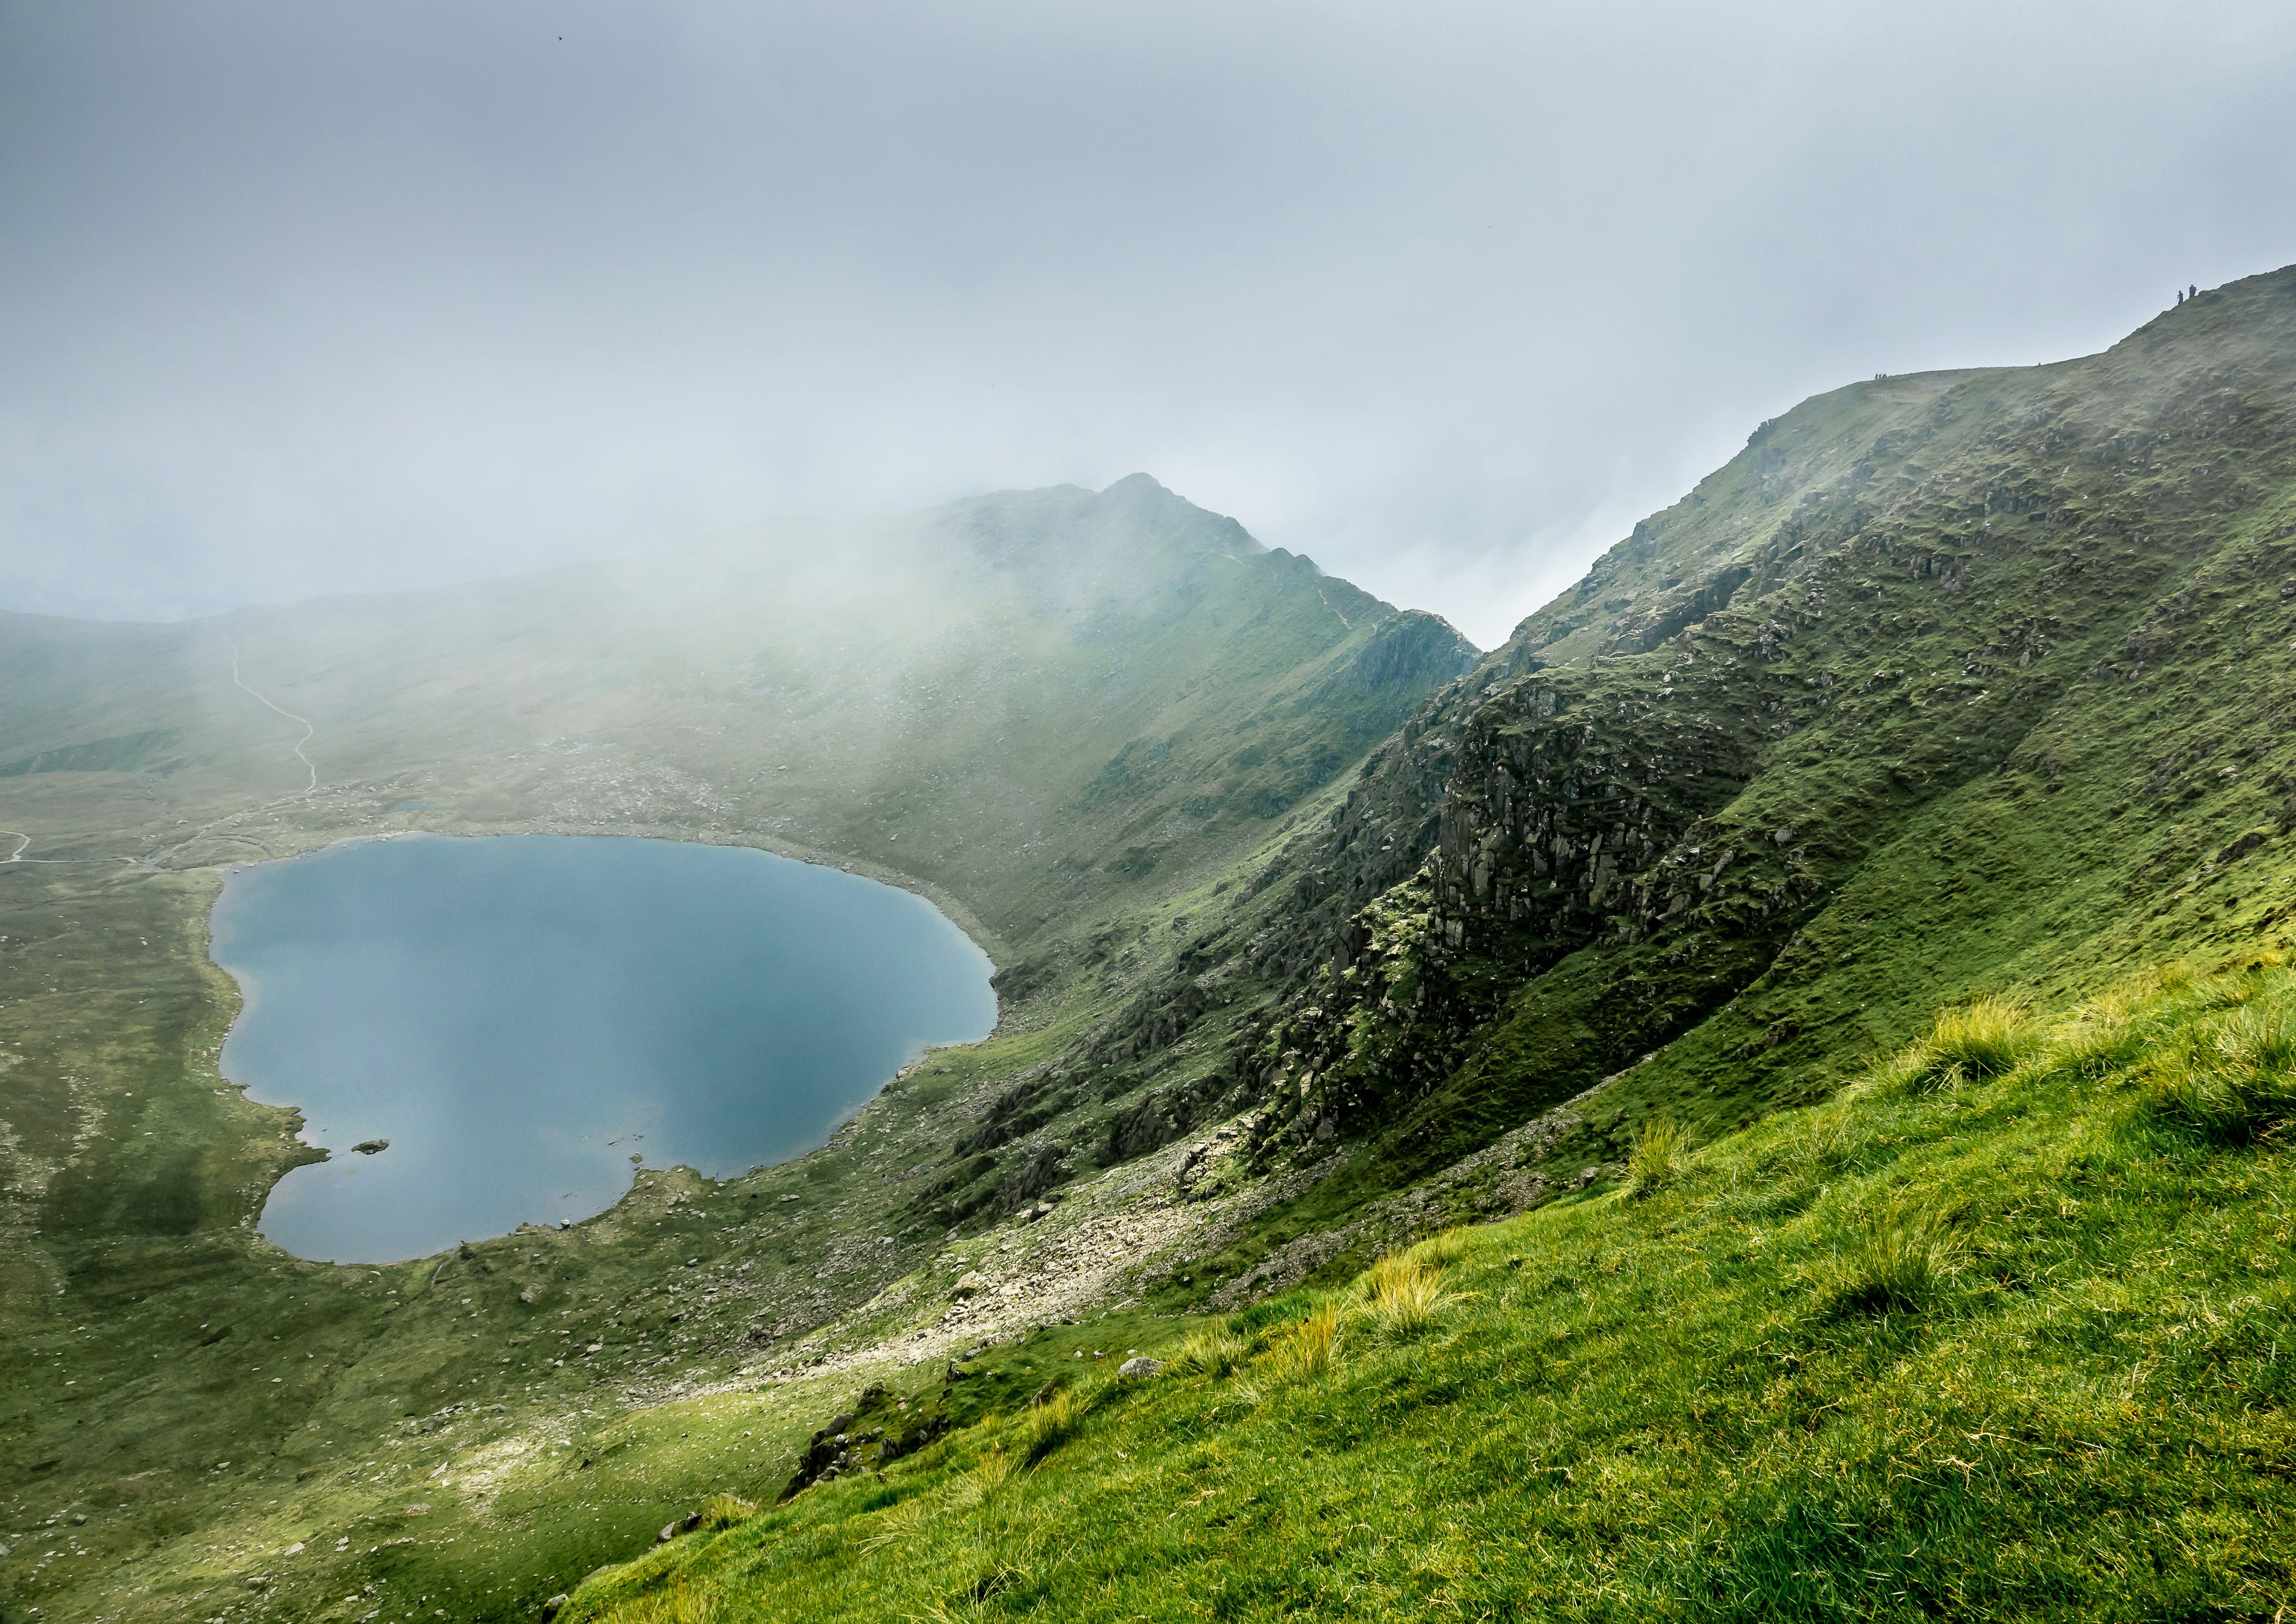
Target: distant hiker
(2180,296)
(2194,292)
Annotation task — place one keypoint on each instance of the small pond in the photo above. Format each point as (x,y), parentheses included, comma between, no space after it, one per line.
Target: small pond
(523,1017)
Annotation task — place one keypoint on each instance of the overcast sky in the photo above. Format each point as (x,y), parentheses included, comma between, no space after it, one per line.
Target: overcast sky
(299,297)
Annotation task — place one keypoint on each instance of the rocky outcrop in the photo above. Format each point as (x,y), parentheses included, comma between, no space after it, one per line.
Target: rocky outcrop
(1410,651)
(880,1427)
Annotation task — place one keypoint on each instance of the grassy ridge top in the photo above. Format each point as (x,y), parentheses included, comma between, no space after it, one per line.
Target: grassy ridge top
(2003,1331)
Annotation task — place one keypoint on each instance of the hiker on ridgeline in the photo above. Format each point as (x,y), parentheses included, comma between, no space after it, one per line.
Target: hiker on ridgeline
(2194,292)
(2180,296)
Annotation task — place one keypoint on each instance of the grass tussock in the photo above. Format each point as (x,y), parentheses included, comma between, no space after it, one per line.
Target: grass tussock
(1984,1038)
(2232,1074)
(1043,1428)
(1899,1261)
(726,1510)
(2105,1036)
(1402,1297)
(679,1604)
(1830,1137)
(990,1475)
(1213,1351)
(1391,1273)
(1441,1249)
(898,1523)
(1306,1349)
(1658,1157)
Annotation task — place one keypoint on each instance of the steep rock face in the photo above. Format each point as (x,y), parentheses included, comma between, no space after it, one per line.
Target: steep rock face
(1894,593)
(1411,650)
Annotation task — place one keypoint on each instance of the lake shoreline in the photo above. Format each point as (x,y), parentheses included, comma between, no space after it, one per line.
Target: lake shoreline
(700,1014)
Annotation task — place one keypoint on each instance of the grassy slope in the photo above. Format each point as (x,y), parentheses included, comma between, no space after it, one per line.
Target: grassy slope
(2121,796)
(2011,1347)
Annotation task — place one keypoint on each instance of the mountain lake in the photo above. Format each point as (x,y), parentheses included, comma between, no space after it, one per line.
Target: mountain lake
(525,1017)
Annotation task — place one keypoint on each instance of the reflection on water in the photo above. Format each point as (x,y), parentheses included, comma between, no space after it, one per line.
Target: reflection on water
(521,1016)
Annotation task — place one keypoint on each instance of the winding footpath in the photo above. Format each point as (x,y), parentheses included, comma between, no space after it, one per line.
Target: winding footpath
(153,861)
(309,729)
(160,855)
(24,844)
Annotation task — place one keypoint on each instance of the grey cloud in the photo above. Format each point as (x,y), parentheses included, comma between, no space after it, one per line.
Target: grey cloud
(298,299)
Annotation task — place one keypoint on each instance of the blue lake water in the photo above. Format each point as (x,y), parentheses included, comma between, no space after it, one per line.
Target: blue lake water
(520,1015)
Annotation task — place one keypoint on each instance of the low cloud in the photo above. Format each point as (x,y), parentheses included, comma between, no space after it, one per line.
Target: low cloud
(305,299)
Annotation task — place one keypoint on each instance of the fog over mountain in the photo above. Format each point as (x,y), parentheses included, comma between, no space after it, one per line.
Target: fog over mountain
(297,300)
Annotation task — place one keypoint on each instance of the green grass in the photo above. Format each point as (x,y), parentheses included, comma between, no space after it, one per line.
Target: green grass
(2018,1348)
(1901,1260)
(1659,1156)
(2233,1073)
(1403,1296)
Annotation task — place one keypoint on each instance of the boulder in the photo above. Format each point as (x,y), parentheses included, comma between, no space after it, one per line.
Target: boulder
(1141,1367)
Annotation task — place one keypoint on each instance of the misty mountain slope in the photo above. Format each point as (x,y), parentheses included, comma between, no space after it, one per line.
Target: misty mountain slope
(1034,705)
(2001,698)
(1055,711)
(968,697)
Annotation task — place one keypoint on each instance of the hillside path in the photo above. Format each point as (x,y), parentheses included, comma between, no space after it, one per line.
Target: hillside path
(308,729)
(24,844)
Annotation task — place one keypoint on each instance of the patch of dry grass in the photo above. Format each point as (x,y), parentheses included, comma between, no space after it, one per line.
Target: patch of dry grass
(1306,1349)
